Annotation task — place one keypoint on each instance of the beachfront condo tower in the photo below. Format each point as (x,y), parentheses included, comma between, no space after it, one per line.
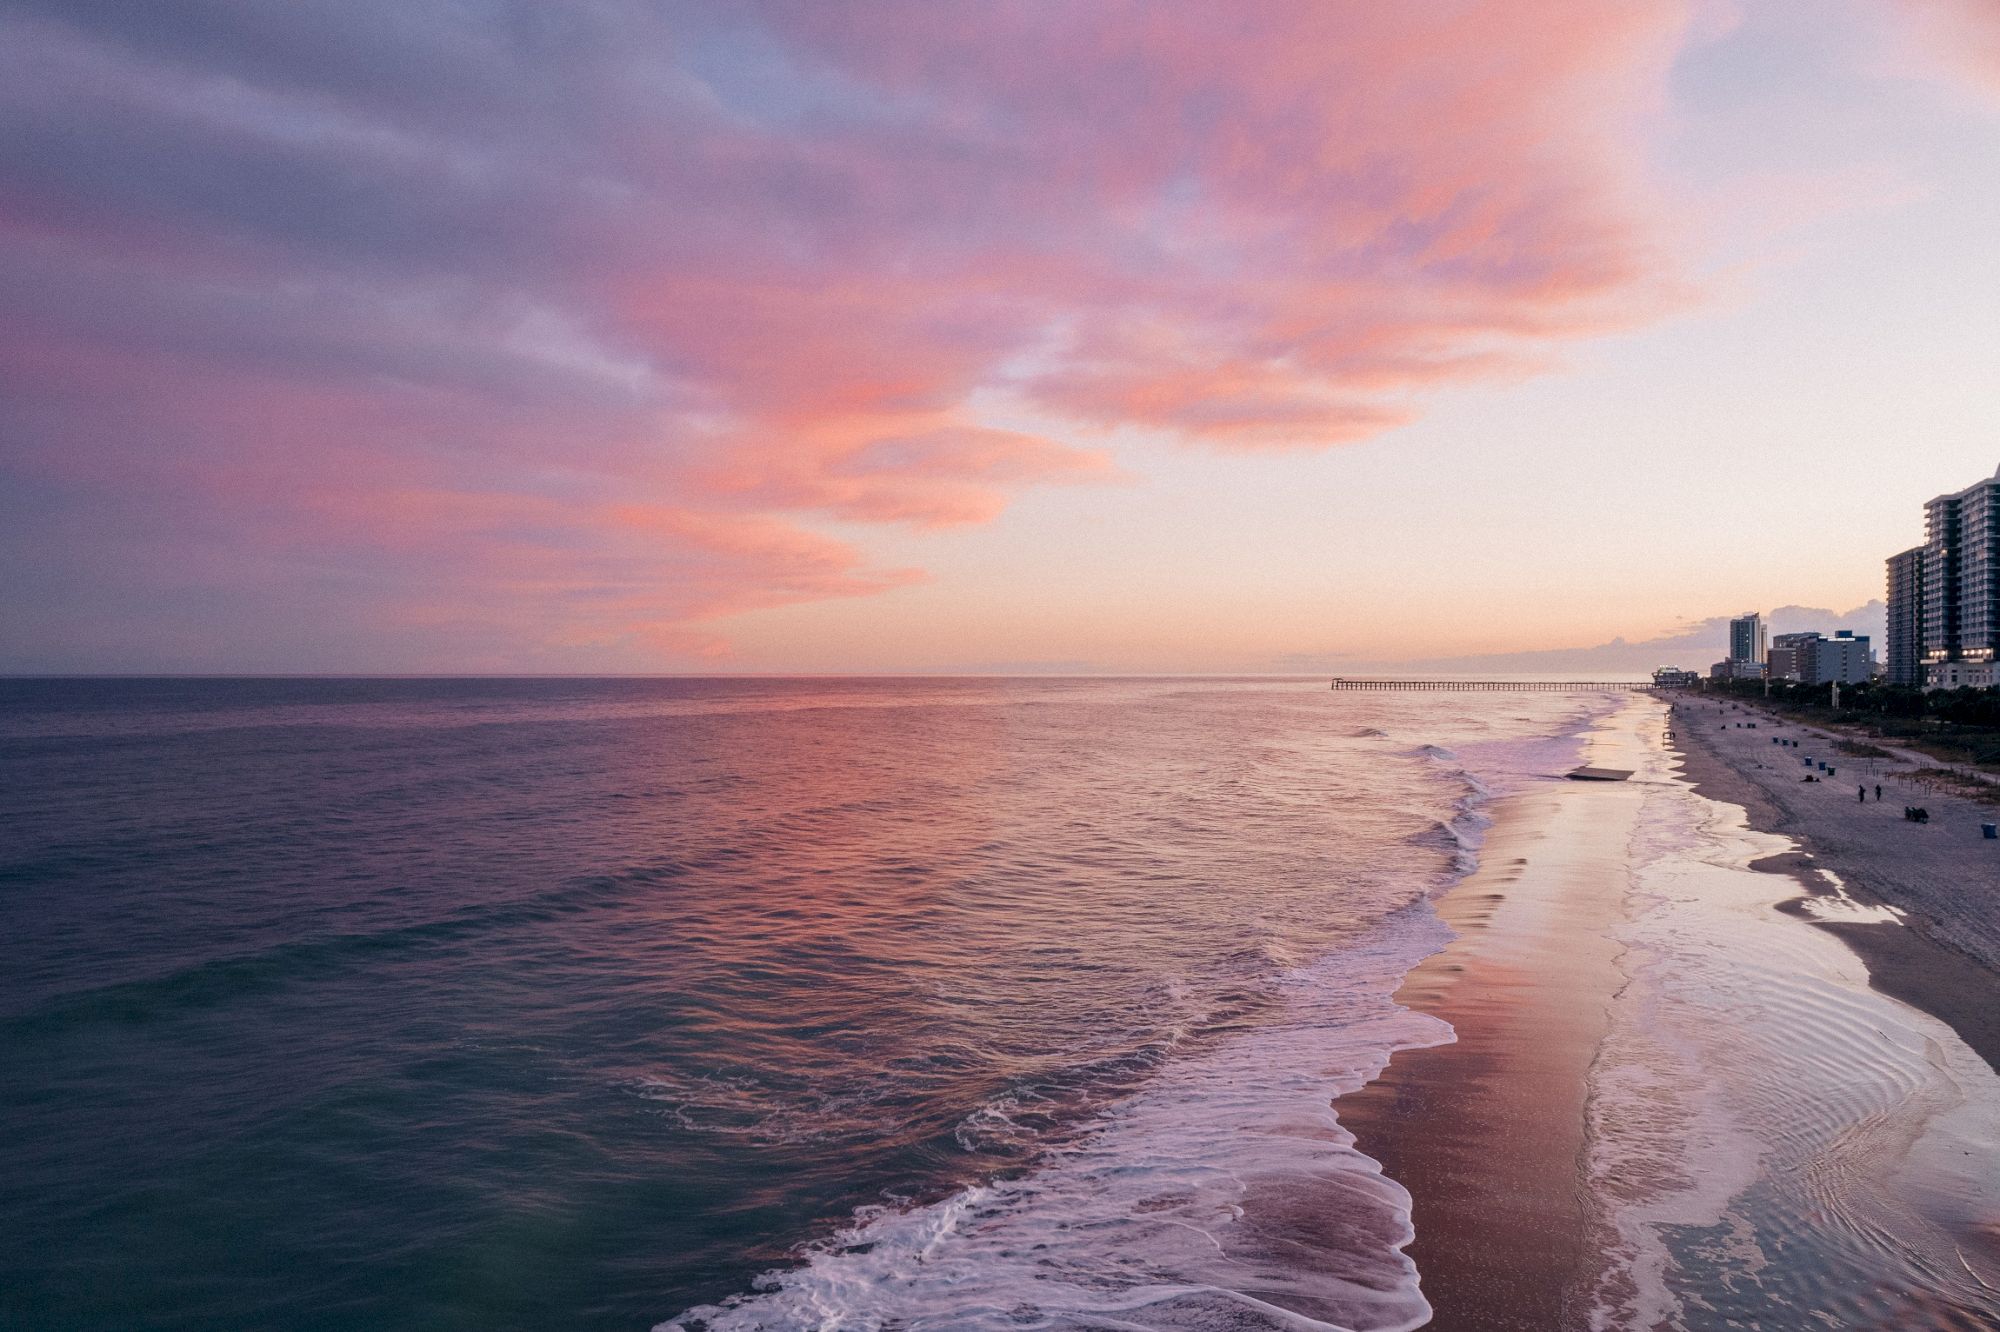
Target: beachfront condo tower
(1746,638)
(1944,596)
(1903,654)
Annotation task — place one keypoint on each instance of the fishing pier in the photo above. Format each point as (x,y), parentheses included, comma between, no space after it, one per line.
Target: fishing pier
(1501,686)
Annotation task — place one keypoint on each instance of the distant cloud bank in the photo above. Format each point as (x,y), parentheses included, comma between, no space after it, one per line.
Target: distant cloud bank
(1693,647)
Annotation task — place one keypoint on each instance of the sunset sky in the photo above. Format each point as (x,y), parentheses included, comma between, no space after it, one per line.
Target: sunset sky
(623,335)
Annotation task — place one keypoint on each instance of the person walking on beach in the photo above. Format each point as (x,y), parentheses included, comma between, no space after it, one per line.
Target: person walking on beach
(1861,794)
(1878,793)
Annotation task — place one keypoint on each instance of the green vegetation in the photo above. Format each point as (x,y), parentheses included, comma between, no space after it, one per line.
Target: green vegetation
(1957,725)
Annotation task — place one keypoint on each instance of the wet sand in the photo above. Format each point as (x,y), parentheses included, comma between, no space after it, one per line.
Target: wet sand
(1492,1135)
(1488,1133)
(1944,876)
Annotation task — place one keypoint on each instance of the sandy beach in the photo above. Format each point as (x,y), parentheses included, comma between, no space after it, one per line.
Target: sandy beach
(1488,1132)
(1672,1066)
(1942,877)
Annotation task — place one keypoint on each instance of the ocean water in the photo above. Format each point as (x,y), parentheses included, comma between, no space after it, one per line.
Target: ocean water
(617,1004)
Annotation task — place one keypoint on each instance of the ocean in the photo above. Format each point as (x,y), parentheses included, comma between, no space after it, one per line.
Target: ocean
(719,1003)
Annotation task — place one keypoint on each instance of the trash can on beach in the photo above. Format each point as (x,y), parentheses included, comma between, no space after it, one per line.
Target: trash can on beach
(1990,831)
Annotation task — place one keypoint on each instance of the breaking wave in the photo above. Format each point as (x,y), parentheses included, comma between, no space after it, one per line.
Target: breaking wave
(1224,1195)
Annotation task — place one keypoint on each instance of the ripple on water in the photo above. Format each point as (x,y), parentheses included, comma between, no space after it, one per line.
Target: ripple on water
(1224,1194)
(1774,1143)
(571,1003)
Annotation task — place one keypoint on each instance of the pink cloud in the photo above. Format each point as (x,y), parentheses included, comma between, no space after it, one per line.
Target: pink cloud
(580,334)
(1964,35)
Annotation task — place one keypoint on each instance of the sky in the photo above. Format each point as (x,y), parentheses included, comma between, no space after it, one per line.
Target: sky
(640,336)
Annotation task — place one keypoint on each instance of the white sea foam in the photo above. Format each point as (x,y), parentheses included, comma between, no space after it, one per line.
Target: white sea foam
(1224,1195)
(1465,831)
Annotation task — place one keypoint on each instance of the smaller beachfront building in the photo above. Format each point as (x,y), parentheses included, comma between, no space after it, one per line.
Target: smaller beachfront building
(1813,658)
(1963,675)
(1843,659)
(1790,657)
(1731,669)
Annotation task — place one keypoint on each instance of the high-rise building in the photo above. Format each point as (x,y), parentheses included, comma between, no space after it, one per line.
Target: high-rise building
(1967,528)
(1942,539)
(1746,638)
(1944,596)
(1903,654)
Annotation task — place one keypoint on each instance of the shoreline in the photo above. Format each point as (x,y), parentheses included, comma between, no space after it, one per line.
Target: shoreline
(1521,1222)
(1489,1132)
(1914,959)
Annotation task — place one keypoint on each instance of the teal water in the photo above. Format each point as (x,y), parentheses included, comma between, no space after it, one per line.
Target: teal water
(582,1004)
